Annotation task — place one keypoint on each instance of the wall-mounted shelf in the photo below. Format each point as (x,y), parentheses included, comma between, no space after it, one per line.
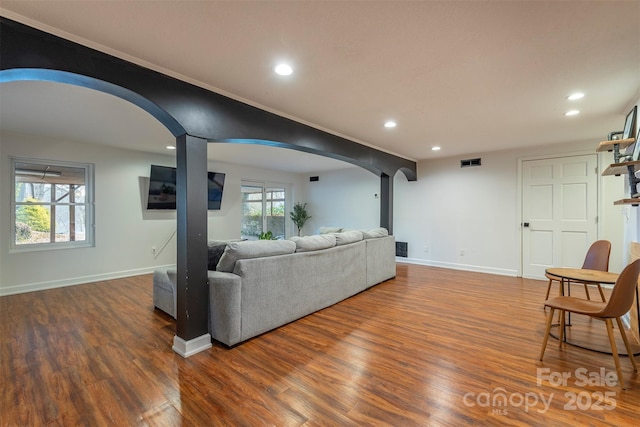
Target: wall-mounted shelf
(609,145)
(615,145)
(632,201)
(620,168)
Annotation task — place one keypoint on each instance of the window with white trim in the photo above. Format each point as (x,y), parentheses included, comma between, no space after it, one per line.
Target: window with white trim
(263,210)
(52,204)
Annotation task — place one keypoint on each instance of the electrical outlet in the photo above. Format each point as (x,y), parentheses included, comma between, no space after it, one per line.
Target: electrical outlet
(426,249)
(462,252)
(153,250)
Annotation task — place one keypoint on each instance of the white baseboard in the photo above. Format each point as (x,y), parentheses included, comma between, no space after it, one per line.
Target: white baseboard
(455,266)
(52,284)
(191,347)
(72,281)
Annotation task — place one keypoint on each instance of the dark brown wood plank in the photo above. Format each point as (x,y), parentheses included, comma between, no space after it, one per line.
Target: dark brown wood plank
(420,349)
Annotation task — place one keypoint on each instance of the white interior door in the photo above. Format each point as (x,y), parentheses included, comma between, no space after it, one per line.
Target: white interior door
(559,212)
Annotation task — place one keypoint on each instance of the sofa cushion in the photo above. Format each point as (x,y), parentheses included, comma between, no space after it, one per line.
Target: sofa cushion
(223,241)
(347,237)
(328,230)
(314,243)
(374,233)
(215,253)
(253,249)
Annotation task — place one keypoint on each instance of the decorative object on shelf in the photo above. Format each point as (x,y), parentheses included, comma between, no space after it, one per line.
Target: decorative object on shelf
(614,136)
(633,180)
(632,171)
(636,148)
(630,123)
(299,215)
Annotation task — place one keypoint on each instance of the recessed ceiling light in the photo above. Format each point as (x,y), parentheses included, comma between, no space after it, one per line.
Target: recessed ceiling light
(283,69)
(435,148)
(390,124)
(170,147)
(574,96)
(572,113)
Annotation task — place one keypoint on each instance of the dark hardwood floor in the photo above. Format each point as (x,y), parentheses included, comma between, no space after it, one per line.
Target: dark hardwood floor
(431,347)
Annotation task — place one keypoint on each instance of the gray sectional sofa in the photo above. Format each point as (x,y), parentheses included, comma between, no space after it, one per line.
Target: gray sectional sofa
(260,285)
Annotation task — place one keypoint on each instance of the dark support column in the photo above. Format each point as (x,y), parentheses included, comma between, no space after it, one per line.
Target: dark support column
(386,202)
(192,332)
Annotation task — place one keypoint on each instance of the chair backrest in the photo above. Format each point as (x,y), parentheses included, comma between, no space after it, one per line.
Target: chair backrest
(597,257)
(623,292)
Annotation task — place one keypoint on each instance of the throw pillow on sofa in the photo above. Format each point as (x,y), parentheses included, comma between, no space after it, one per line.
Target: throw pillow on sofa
(215,253)
(314,243)
(347,237)
(253,249)
(329,230)
(374,233)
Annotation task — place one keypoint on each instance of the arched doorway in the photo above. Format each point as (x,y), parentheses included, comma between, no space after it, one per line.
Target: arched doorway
(194,116)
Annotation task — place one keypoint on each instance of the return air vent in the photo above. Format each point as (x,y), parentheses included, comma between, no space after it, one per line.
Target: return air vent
(402,249)
(470,162)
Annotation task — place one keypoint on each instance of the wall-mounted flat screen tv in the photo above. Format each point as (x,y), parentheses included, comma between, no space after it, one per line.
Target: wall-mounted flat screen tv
(215,184)
(162,188)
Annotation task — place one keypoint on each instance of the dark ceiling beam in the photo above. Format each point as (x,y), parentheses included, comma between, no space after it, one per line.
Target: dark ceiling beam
(182,107)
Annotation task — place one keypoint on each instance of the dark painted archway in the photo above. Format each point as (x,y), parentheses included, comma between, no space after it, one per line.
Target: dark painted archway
(28,53)
(195,116)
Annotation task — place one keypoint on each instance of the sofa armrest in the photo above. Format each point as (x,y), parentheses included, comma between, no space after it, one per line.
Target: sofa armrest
(225,307)
(381,259)
(164,290)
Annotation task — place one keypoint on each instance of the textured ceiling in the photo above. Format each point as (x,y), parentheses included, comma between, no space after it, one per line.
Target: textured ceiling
(468,76)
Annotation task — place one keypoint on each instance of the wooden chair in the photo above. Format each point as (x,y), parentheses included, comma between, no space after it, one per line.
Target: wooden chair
(622,296)
(597,258)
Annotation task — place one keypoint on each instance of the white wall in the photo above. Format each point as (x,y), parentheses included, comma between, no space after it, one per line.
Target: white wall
(343,198)
(463,218)
(469,218)
(125,230)
(460,217)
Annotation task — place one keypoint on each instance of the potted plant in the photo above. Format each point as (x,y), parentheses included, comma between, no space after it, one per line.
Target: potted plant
(299,215)
(268,235)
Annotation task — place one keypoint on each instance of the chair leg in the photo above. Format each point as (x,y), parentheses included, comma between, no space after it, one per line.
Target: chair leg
(562,326)
(586,290)
(548,290)
(601,293)
(626,344)
(547,332)
(614,351)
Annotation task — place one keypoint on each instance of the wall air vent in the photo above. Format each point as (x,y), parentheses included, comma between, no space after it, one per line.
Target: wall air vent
(470,162)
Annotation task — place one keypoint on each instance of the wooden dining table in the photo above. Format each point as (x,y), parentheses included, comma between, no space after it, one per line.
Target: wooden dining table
(581,275)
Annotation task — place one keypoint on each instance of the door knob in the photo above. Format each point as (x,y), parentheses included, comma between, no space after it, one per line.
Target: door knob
(526,224)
